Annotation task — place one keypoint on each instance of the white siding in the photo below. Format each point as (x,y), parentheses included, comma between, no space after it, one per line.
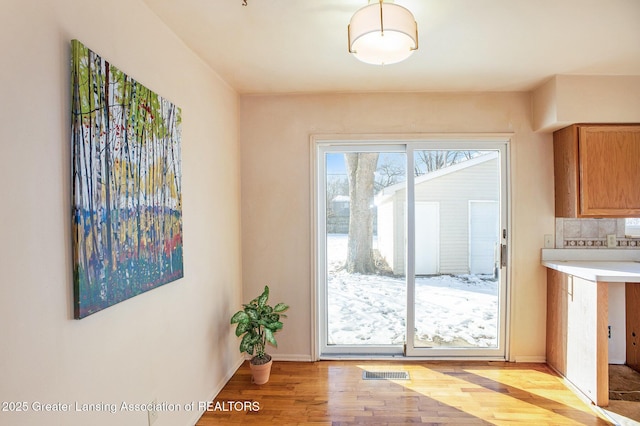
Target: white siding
(391,226)
(453,191)
(386,241)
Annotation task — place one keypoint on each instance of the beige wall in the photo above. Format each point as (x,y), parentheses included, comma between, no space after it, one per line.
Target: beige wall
(173,343)
(569,99)
(276,195)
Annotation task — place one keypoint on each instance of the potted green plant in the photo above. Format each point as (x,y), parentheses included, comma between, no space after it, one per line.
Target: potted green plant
(257,324)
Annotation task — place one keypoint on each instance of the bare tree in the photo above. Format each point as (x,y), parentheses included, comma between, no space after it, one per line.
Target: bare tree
(361,169)
(429,161)
(388,173)
(365,177)
(335,186)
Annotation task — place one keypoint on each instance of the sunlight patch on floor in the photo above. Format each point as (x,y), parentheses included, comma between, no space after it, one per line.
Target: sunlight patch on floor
(484,391)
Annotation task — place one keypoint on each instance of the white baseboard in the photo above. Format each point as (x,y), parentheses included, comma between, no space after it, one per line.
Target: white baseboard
(217,389)
(535,359)
(292,357)
(286,357)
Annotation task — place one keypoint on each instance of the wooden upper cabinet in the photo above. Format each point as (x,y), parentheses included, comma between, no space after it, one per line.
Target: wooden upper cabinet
(597,170)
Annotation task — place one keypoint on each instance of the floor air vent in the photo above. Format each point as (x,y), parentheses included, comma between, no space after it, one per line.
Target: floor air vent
(385,375)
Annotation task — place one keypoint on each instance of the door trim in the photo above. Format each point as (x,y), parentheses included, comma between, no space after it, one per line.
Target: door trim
(466,140)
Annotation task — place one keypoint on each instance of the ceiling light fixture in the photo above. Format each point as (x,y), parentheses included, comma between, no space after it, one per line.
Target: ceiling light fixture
(382,34)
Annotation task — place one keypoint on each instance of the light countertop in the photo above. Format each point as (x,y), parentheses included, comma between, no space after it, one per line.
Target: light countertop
(607,271)
(613,265)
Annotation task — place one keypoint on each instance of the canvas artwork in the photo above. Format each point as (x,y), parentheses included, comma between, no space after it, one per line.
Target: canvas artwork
(126,171)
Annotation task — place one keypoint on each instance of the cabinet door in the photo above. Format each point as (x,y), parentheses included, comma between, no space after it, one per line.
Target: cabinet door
(577,344)
(632,301)
(557,320)
(567,172)
(609,170)
(587,343)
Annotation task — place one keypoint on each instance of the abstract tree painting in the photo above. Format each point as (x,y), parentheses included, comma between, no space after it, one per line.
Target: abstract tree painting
(126,171)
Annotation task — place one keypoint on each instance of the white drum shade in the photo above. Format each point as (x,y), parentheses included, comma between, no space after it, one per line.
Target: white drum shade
(383,34)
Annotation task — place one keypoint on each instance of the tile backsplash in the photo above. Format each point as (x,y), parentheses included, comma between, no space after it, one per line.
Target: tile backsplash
(592,233)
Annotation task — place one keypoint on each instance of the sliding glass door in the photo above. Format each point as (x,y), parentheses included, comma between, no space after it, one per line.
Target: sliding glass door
(410,263)
(456,286)
(363,302)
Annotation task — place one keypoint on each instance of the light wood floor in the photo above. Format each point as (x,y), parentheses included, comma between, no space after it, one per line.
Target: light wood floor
(454,393)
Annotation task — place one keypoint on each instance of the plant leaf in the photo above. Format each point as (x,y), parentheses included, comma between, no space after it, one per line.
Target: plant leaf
(239,316)
(246,344)
(269,335)
(252,313)
(275,326)
(272,318)
(262,300)
(242,327)
(280,307)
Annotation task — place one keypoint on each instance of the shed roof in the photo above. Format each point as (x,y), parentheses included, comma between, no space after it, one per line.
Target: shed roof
(391,190)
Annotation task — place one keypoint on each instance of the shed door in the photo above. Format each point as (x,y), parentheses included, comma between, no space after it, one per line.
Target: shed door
(483,236)
(427,237)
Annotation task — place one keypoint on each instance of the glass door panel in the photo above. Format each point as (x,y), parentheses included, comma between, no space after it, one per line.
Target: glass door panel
(363,267)
(458,294)
(411,262)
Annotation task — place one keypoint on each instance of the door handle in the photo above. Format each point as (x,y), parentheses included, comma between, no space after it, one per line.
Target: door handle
(503,255)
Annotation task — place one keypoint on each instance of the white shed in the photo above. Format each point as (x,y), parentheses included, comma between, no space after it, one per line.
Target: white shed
(457,219)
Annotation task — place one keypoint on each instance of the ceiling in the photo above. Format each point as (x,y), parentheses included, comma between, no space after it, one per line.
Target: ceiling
(300,46)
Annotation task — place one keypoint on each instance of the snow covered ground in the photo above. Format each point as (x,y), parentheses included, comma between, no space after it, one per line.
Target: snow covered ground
(460,311)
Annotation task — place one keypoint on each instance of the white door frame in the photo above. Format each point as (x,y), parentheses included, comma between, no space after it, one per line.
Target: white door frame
(403,143)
